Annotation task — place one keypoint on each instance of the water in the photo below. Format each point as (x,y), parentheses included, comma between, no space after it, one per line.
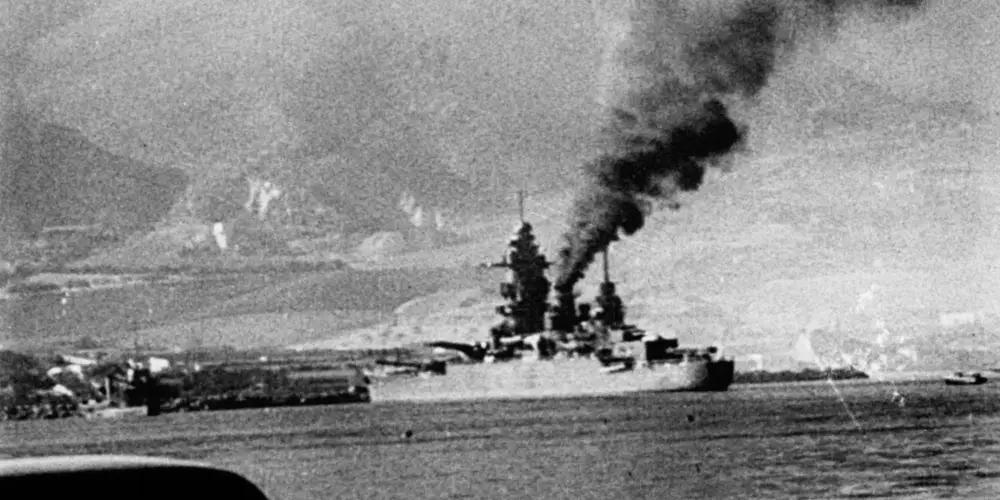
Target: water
(766,441)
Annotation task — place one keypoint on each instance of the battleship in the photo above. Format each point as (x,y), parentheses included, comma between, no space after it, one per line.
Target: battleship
(543,350)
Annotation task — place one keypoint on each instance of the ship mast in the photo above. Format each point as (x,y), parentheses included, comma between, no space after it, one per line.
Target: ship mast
(520,205)
(526,288)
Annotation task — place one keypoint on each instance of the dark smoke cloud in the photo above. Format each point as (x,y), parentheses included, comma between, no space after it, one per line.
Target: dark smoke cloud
(668,67)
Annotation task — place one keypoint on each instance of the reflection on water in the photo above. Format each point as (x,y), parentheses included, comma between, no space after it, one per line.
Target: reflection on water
(766,441)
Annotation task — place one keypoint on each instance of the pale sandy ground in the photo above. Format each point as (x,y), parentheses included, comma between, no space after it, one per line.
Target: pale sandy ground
(461,316)
(258,330)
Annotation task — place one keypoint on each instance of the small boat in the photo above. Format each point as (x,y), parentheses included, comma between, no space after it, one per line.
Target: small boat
(960,378)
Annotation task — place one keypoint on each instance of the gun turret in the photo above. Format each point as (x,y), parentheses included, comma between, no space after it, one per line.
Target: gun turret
(526,288)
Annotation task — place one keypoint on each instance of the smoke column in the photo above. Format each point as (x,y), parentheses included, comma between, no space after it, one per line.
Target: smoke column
(667,67)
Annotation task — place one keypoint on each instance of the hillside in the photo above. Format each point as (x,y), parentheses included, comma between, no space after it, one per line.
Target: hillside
(888,260)
(63,179)
(864,206)
(349,104)
(887,268)
(337,99)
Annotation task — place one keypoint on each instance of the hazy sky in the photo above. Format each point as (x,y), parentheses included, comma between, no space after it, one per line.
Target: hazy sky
(947,52)
(950,52)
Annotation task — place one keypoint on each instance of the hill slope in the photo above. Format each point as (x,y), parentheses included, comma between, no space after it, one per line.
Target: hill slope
(874,247)
(64,179)
(400,96)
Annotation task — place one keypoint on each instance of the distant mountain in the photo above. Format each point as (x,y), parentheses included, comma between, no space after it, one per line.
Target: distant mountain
(456,101)
(62,179)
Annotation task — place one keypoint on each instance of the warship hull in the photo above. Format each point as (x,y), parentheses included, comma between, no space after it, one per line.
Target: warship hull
(556,378)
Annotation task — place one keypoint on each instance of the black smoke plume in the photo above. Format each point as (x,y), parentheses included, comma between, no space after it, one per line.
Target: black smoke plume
(666,71)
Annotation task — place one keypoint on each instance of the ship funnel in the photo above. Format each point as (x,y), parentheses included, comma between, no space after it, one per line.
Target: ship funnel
(564,317)
(607,286)
(612,308)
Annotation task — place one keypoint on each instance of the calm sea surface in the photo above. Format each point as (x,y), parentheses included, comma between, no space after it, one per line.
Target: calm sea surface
(762,441)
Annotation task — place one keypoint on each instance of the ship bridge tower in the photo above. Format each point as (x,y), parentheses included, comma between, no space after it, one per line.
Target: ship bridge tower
(526,288)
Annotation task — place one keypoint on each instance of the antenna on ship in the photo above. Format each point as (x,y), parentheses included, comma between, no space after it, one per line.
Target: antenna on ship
(520,204)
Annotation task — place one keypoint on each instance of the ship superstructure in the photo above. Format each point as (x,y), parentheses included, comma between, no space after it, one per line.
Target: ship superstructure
(531,325)
(525,290)
(542,349)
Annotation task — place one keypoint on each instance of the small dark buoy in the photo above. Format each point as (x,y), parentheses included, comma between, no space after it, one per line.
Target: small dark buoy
(408,434)
(690,418)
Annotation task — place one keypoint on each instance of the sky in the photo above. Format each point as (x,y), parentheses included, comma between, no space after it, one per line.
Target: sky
(946,52)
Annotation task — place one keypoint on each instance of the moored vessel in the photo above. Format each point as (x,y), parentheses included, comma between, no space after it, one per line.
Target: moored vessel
(543,350)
